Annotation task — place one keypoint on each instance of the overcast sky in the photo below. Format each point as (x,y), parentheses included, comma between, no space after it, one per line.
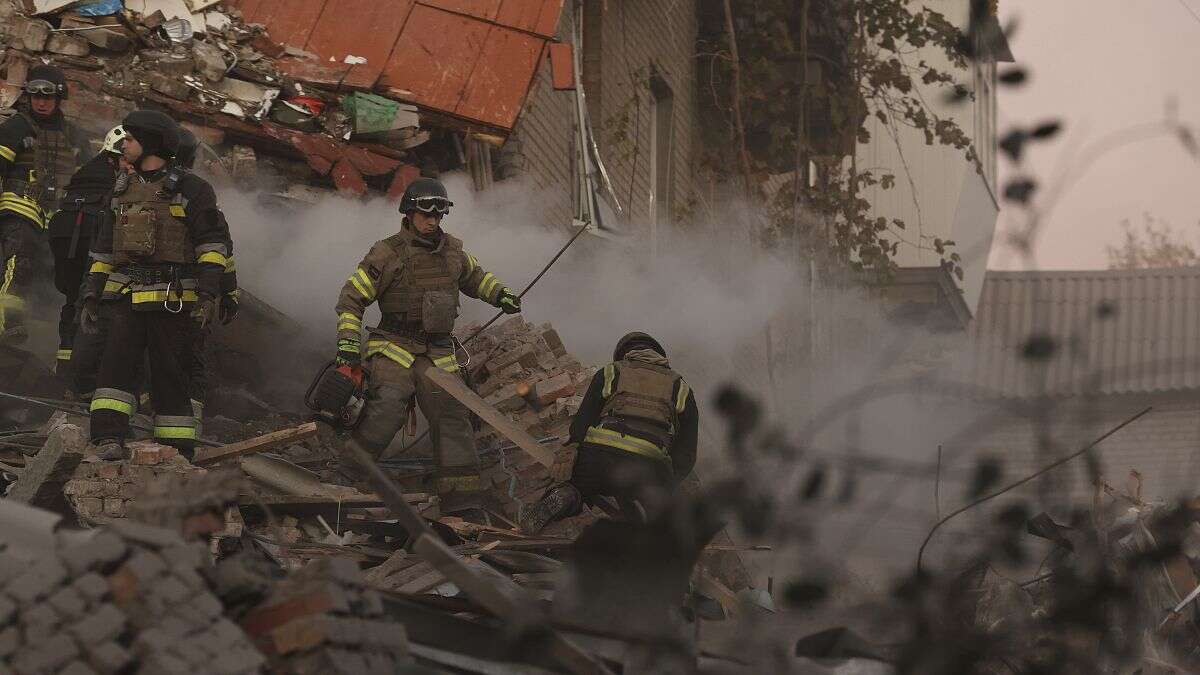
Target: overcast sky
(1103,66)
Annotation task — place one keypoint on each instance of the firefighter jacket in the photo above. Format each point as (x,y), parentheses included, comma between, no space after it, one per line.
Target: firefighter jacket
(37,158)
(416,282)
(85,201)
(163,249)
(229,280)
(640,405)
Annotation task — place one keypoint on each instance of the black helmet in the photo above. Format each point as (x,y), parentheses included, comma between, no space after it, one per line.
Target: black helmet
(45,80)
(636,340)
(426,195)
(185,156)
(157,132)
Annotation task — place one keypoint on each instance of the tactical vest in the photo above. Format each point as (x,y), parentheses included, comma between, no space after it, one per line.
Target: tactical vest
(643,402)
(42,169)
(149,226)
(424,296)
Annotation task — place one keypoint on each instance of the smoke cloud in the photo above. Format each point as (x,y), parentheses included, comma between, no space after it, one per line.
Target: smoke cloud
(726,313)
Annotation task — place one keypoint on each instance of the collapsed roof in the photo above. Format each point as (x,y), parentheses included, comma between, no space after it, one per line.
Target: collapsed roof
(368,95)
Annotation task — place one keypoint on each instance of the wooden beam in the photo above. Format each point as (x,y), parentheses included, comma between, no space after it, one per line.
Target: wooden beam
(498,421)
(42,479)
(506,604)
(269,441)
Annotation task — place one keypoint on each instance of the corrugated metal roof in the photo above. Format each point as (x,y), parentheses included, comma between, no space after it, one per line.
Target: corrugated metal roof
(1113,331)
(472,59)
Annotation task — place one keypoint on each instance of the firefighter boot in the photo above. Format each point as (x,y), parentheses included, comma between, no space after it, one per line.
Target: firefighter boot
(559,502)
(111,451)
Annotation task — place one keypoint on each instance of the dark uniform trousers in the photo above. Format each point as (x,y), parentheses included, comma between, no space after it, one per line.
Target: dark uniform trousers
(86,353)
(624,476)
(166,338)
(70,267)
(196,363)
(18,246)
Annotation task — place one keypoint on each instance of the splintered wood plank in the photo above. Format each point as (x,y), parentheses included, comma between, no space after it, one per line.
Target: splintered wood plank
(271,441)
(497,420)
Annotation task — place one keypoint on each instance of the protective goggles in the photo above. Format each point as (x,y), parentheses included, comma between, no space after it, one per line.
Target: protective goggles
(433,205)
(42,88)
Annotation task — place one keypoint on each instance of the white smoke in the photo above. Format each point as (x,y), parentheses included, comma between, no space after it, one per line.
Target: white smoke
(708,295)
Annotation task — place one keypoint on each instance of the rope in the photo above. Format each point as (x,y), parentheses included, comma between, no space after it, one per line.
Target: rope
(536,279)
(1039,472)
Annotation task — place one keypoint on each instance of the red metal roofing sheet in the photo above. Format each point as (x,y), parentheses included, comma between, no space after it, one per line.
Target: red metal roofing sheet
(288,21)
(366,28)
(331,74)
(501,78)
(480,9)
(473,59)
(535,16)
(562,65)
(435,55)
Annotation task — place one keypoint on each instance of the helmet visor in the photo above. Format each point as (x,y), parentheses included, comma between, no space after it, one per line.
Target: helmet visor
(41,88)
(433,205)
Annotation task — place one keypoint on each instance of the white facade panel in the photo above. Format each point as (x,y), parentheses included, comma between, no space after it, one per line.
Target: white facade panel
(938,193)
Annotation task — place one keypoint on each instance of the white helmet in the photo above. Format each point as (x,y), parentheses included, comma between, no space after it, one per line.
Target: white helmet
(114,139)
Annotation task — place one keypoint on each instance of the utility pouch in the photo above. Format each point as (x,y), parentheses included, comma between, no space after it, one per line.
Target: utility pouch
(439,309)
(135,233)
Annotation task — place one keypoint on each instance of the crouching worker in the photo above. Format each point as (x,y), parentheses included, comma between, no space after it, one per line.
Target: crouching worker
(635,434)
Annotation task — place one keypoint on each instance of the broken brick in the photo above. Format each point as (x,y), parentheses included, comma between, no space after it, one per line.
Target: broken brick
(550,390)
(145,455)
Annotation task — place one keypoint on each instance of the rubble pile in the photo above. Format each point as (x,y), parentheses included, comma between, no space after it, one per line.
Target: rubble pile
(322,619)
(524,371)
(265,110)
(244,560)
(130,598)
(99,489)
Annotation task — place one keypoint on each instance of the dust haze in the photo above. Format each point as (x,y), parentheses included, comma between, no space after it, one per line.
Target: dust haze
(709,297)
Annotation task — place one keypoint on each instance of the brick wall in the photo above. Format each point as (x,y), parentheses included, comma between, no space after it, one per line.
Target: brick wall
(1164,446)
(638,37)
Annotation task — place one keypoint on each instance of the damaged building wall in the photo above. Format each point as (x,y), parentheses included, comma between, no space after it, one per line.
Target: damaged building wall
(638,58)
(1109,343)
(1160,446)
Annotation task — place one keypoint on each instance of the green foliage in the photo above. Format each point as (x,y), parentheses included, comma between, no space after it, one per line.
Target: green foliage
(1156,244)
(861,62)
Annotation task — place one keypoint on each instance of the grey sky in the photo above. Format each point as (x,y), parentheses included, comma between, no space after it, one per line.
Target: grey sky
(1103,66)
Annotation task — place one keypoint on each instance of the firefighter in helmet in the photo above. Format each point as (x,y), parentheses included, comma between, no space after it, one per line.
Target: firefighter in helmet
(416,276)
(635,435)
(72,230)
(39,151)
(228,305)
(158,262)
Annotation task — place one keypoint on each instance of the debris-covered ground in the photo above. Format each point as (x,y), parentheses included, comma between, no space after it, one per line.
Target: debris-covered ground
(258,554)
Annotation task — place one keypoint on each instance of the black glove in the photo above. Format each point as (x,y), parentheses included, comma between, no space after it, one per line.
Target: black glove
(89,316)
(347,354)
(205,311)
(508,302)
(229,308)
